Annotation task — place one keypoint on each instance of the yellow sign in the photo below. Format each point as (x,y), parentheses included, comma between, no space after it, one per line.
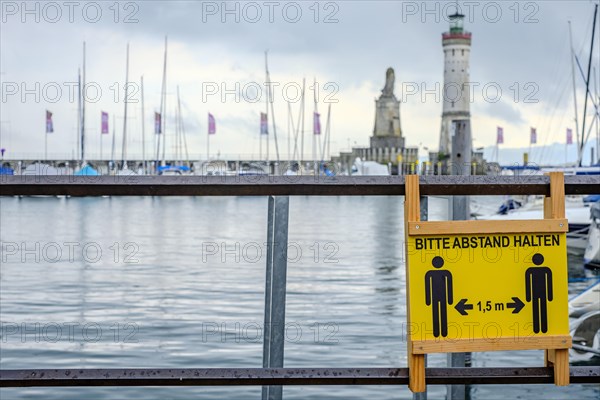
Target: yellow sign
(487,286)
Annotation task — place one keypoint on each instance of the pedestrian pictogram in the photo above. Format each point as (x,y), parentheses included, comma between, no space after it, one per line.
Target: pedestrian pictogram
(438,294)
(539,292)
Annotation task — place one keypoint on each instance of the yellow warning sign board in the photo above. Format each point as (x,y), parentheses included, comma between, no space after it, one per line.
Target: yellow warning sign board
(487,285)
(495,287)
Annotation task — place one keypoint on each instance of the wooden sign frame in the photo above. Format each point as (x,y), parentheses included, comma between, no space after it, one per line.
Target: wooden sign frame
(556,347)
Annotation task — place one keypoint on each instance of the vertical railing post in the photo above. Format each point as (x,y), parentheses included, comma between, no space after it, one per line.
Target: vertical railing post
(424,211)
(460,210)
(275,289)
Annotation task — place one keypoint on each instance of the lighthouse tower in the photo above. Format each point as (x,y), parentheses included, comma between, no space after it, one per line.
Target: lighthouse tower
(457,48)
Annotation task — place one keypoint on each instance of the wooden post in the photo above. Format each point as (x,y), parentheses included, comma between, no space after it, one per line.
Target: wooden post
(424,211)
(554,207)
(412,213)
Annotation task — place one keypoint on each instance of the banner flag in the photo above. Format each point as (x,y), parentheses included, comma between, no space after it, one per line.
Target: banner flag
(500,136)
(317,123)
(264,124)
(212,124)
(157,123)
(49,124)
(104,127)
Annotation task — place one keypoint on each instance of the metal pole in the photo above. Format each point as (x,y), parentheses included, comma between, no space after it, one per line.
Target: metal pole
(574,92)
(143,128)
(587,90)
(460,210)
(83,112)
(124,148)
(275,290)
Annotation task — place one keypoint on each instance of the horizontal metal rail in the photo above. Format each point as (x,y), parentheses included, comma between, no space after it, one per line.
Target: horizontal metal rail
(286,185)
(285,376)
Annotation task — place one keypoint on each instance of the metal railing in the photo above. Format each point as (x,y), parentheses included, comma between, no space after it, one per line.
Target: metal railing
(262,185)
(273,376)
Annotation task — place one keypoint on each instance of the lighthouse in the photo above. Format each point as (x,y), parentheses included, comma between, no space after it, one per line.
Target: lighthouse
(456,94)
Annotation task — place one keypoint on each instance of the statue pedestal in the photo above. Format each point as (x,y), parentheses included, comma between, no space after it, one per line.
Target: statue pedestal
(396,142)
(387,117)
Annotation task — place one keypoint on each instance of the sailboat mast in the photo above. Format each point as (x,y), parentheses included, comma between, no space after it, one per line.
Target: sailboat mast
(178,142)
(314,136)
(587,88)
(162,100)
(289,132)
(83,111)
(302,122)
(164,109)
(112,150)
(175,145)
(597,121)
(143,128)
(329,133)
(327,139)
(78,148)
(124,148)
(574,91)
(268,95)
(182,130)
(270,100)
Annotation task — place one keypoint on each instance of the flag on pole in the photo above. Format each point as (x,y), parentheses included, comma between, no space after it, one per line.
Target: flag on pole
(264,124)
(157,123)
(317,123)
(500,135)
(49,124)
(212,125)
(533,136)
(569,136)
(104,127)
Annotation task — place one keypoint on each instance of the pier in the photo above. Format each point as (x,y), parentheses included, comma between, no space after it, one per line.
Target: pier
(273,375)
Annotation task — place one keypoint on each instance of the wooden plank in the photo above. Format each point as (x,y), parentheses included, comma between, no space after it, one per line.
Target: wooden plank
(549,357)
(561,367)
(416,373)
(499,344)
(412,212)
(554,207)
(557,194)
(412,202)
(439,228)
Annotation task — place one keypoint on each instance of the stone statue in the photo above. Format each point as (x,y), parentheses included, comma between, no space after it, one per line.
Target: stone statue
(388,89)
(387,131)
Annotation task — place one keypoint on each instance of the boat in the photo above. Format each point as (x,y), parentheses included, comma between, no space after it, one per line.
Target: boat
(584,309)
(6,170)
(369,168)
(87,170)
(39,168)
(577,213)
(173,170)
(591,256)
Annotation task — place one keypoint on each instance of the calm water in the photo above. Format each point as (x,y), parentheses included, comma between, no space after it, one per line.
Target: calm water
(179,282)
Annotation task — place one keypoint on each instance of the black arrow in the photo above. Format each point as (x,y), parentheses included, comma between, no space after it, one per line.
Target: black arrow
(462,306)
(517,305)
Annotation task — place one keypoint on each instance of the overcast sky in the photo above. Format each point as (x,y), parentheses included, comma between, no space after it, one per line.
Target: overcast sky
(521,48)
